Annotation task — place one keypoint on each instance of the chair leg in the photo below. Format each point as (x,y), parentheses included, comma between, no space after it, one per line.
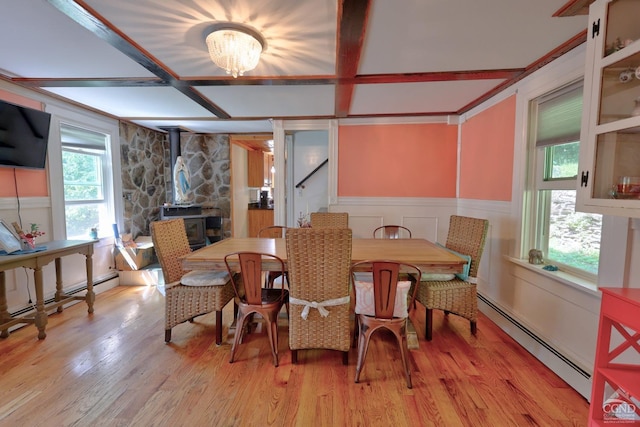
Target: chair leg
(401,337)
(167,335)
(354,344)
(218,327)
(272,332)
(294,357)
(241,320)
(428,328)
(345,358)
(363,346)
(474,327)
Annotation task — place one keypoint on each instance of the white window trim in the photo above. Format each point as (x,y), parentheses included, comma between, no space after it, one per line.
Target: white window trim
(615,230)
(82,119)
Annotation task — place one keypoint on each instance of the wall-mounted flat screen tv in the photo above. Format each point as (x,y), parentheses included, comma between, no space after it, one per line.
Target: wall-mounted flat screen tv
(24,134)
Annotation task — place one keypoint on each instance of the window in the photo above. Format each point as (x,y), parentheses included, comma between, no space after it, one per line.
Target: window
(84,166)
(568,239)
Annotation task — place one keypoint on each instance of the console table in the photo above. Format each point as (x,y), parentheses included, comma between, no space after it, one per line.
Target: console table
(35,261)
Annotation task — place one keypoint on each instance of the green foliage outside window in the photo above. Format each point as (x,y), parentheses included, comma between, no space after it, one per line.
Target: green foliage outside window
(82,174)
(573,237)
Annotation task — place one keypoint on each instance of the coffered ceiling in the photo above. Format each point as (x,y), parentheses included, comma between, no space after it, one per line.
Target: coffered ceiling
(146,61)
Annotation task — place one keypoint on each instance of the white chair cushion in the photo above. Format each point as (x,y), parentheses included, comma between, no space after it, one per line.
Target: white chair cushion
(205,278)
(365,276)
(437,277)
(365,300)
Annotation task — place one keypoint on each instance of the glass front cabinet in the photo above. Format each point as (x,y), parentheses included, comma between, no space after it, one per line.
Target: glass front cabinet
(609,171)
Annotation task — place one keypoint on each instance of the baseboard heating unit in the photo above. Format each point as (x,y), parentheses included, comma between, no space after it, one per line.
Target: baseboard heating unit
(565,368)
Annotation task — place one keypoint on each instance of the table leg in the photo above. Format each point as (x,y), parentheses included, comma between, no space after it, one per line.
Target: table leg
(59,292)
(4,308)
(41,314)
(91,296)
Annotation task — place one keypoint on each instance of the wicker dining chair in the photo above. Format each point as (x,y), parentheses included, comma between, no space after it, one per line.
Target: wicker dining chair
(392,232)
(329,220)
(188,294)
(384,304)
(275,232)
(252,297)
(319,262)
(466,236)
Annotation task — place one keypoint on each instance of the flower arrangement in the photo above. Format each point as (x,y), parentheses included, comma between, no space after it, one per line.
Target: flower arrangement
(304,221)
(30,237)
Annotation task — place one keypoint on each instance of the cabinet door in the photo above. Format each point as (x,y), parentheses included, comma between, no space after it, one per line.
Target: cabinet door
(259,219)
(255,169)
(609,181)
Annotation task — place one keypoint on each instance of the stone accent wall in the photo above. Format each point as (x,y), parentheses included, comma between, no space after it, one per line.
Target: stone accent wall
(142,156)
(146,175)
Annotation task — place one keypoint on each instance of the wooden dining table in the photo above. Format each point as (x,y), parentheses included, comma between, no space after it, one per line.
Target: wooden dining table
(428,256)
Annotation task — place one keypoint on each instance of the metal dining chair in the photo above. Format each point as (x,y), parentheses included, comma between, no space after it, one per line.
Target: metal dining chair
(392,232)
(252,298)
(384,304)
(275,232)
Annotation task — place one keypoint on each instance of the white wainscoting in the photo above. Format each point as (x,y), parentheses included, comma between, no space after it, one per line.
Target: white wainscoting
(426,218)
(554,321)
(19,282)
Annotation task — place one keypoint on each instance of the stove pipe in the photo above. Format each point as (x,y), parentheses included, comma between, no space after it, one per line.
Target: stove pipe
(174,152)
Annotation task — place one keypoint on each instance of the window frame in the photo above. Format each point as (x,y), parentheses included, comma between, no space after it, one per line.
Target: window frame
(537,210)
(112,185)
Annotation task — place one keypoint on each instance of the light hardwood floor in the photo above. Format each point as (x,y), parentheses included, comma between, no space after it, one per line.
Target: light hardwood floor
(113,368)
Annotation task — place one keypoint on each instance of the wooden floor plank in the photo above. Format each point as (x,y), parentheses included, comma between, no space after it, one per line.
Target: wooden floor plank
(112,368)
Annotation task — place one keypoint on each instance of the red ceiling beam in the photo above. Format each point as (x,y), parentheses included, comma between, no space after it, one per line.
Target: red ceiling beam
(352,22)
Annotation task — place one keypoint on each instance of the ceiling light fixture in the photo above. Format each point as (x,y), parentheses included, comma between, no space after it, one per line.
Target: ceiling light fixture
(234,47)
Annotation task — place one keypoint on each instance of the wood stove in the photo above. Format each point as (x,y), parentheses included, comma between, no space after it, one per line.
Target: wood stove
(201,229)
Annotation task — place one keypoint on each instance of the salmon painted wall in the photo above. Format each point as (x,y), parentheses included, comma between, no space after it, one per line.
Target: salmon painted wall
(411,160)
(29,182)
(486,153)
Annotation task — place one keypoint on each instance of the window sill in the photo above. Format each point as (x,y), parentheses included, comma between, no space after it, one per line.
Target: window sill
(565,278)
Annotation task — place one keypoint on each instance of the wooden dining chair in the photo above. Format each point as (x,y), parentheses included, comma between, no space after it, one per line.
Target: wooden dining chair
(188,294)
(466,237)
(274,232)
(319,261)
(252,297)
(329,220)
(392,232)
(384,304)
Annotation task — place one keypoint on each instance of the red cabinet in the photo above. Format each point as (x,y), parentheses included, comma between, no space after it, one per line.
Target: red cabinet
(617,361)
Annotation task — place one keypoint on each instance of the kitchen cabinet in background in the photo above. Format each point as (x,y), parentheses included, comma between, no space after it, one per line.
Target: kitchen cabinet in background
(258,219)
(259,165)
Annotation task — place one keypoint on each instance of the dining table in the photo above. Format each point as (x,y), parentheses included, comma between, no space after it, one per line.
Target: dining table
(426,255)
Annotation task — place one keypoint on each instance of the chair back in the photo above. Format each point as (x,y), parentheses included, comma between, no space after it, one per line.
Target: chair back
(273,231)
(329,220)
(467,236)
(250,267)
(385,288)
(170,243)
(319,263)
(392,232)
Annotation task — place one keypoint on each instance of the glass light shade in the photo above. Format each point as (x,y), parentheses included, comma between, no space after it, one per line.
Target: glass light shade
(234,51)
